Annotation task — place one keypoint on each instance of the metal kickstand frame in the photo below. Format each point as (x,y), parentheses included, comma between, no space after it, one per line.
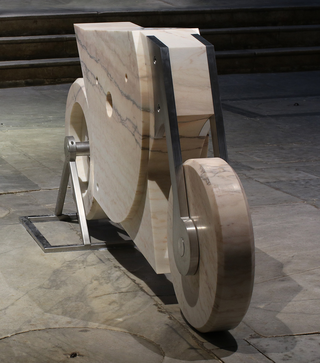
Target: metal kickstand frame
(72,150)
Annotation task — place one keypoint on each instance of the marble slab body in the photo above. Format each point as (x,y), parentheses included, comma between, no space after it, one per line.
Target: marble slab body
(114,105)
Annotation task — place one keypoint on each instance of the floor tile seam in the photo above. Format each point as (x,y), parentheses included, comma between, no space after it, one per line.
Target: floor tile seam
(244,149)
(132,278)
(19,192)
(129,291)
(245,152)
(287,147)
(37,287)
(254,115)
(22,172)
(254,331)
(30,191)
(289,166)
(266,167)
(288,275)
(40,166)
(19,148)
(91,298)
(277,313)
(253,346)
(32,128)
(282,168)
(304,95)
(251,206)
(197,341)
(307,177)
(279,190)
(9,224)
(13,249)
(284,335)
(108,328)
(161,307)
(4,309)
(302,179)
(239,111)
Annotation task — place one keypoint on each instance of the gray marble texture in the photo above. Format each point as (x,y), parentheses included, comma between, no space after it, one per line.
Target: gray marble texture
(109,305)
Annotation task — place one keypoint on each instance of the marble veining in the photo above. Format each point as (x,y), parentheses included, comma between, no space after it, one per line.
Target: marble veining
(218,295)
(126,175)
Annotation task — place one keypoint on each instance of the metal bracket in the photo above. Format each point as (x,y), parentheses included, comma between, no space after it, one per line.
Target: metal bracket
(216,121)
(185,238)
(72,150)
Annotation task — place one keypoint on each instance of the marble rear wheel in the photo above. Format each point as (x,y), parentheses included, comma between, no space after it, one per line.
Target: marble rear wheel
(217,297)
(77,114)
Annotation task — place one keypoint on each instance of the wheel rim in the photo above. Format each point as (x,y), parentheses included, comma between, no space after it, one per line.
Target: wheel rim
(218,295)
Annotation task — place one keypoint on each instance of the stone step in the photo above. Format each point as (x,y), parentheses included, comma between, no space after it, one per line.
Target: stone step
(38,47)
(64,46)
(268,60)
(21,73)
(64,70)
(263,37)
(62,23)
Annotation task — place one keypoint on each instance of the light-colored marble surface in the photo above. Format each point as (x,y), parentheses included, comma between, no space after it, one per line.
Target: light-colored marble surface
(283,311)
(114,106)
(218,295)
(77,290)
(61,345)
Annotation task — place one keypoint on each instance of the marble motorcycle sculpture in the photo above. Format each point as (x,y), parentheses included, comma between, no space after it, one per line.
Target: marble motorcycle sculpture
(145,106)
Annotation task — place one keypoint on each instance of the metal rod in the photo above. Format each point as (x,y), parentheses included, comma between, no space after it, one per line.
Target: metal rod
(63,188)
(79,203)
(83,148)
(216,122)
(185,238)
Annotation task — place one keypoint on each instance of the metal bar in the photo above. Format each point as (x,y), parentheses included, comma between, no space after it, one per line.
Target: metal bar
(35,233)
(168,111)
(185,238)
(71,149)
(216,122)
(62,188)
(43,243)
(70,217)
(83,148)
(79,203)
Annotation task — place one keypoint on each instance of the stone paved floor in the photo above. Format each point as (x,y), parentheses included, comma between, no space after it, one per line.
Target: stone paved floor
(109,305)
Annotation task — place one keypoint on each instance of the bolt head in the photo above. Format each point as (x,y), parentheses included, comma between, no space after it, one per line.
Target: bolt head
(181,247)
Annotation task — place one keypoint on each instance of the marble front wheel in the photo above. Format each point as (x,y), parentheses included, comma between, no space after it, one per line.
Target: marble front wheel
(217,297)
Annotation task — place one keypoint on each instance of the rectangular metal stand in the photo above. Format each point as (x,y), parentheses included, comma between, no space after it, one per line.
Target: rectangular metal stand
(44,244)
(72,149)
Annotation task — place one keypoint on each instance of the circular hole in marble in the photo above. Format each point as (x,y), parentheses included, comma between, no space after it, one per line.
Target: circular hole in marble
(154,60)
(97,81)
(126,77)
(159,108)
(73,355)
(109,104)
